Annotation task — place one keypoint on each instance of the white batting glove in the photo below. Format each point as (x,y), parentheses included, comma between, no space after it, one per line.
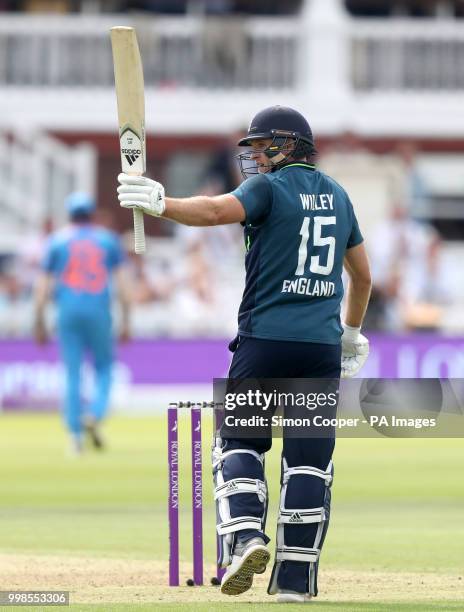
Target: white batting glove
(355,351)
(141,192)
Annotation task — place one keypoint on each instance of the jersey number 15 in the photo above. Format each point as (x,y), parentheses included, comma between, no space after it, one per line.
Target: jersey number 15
(315,265)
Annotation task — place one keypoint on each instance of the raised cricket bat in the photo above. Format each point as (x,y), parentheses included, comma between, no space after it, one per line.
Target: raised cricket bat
(128,78)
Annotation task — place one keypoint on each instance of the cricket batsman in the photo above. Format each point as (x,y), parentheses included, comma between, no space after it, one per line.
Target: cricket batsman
(300,232)
(78,266)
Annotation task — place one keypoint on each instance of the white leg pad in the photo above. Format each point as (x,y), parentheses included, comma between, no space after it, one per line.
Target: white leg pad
(289,516)
(227,526)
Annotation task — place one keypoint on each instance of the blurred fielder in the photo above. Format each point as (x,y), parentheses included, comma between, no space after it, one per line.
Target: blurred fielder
(300,231)
(77,269)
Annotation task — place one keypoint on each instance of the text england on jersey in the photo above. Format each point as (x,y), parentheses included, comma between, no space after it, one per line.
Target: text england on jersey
(308,286)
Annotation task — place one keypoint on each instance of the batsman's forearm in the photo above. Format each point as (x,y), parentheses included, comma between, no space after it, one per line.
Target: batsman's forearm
(198,210)
(356,303)
(42,294)
(125,312)
(122,279)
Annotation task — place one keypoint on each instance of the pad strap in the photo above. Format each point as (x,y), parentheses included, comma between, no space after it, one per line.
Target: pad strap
(241,485)
(296,553)
(219,456)
(297,517)
(238,523)
(309,471)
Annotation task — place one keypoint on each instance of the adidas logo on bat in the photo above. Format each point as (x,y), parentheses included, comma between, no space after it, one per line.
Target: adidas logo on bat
(131,155)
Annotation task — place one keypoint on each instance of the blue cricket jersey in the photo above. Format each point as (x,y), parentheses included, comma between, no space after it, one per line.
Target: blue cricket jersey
(81,258)
(299,224)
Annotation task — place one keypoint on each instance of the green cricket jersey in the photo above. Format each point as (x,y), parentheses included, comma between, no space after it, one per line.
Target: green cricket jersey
(299,224)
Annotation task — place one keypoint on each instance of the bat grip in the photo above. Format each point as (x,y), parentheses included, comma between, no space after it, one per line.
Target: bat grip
(139,232)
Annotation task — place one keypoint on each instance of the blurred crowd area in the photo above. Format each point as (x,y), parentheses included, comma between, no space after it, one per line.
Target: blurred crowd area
(365,8)
(189,283)
(166,7)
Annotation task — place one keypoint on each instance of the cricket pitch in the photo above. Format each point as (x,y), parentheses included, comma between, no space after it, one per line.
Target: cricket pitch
(98,581)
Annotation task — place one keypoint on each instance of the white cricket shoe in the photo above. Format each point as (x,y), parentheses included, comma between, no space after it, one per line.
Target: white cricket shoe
(248,559)
(285,596)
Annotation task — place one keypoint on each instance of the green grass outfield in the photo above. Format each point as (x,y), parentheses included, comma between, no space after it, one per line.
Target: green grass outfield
(397,511)
(321,606)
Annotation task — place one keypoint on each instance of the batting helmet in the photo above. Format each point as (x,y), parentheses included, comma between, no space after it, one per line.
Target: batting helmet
(290,133)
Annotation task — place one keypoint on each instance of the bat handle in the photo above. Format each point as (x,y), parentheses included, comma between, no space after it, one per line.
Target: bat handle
(139,232)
